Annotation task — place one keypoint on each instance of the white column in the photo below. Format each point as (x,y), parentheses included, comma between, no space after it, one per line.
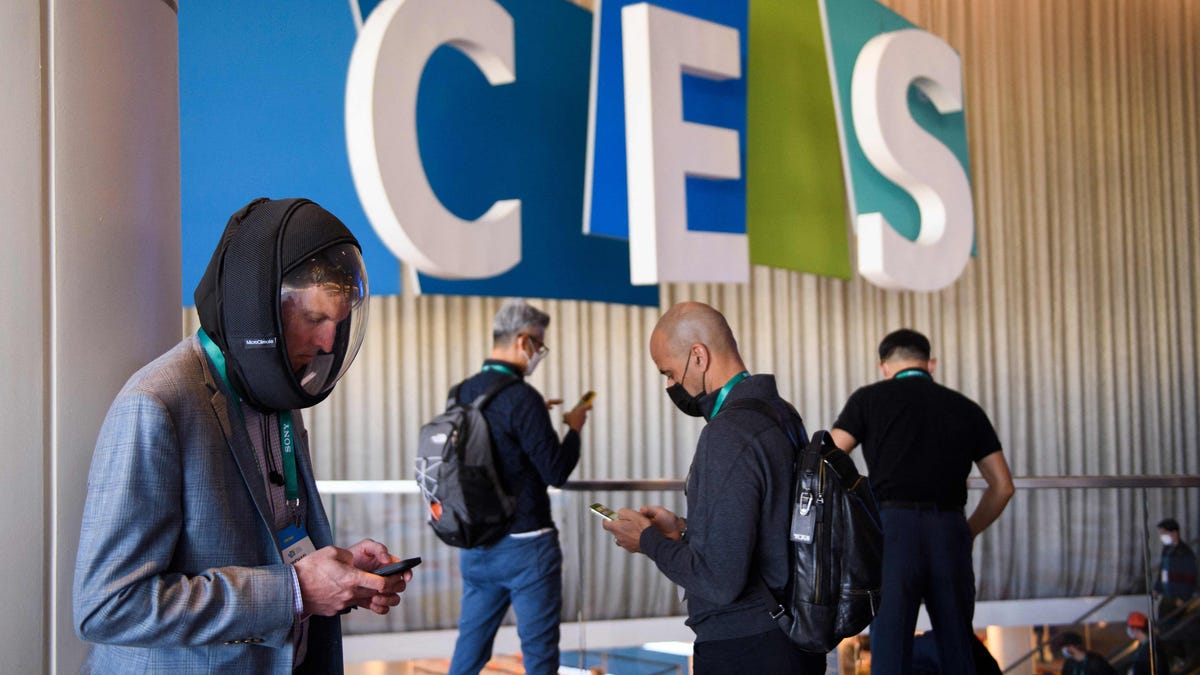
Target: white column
(23,361)
(89,180)
(1008,644)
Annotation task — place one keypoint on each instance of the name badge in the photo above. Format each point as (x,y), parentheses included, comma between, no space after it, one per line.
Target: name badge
(294,543)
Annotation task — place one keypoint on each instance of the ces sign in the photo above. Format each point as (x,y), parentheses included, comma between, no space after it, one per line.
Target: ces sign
(701,143)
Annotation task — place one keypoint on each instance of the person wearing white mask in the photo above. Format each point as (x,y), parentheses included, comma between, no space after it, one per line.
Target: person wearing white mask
(1077,660)
(1175,586)
(524,568)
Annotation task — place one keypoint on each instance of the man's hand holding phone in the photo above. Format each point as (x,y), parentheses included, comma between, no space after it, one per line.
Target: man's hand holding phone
(336,580)
(626,527)
(331,583)
(577,416)
(373,557)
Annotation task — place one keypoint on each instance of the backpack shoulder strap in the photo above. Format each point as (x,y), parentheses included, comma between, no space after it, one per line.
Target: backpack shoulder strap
(808,455)
(484,398)
(488,394)
(798,437)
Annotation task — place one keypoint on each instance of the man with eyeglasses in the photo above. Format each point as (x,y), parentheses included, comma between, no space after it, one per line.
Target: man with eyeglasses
(523,569)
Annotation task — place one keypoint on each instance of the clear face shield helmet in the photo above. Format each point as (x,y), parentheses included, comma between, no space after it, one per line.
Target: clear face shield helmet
(323,309)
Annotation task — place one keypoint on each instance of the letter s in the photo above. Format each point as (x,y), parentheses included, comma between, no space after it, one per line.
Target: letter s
(913,159)
(381,134)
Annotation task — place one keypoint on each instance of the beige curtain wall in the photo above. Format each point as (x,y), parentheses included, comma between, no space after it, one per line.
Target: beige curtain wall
(1075,327)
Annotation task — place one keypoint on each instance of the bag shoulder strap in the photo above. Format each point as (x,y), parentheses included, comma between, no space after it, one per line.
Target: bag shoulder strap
(777,609)
(496,387)
(452,397)
(484,398)
(758,405)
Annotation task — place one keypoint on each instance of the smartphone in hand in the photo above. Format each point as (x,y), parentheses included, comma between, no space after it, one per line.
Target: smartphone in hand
(603,511)
(397,567)
(587,398)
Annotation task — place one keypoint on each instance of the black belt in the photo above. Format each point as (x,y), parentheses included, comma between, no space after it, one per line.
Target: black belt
(921,506)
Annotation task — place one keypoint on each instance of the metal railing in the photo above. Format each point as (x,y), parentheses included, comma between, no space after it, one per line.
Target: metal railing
(594,561)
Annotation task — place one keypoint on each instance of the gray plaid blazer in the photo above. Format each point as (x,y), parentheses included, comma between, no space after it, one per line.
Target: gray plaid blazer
(178,570)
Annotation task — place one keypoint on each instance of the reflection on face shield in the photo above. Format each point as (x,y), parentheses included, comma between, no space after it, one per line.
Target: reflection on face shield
(323,316)
(310,319)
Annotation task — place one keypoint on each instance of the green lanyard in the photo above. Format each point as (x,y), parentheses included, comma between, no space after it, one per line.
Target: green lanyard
(912,372)
(725,390)
(291,490)
(499,368)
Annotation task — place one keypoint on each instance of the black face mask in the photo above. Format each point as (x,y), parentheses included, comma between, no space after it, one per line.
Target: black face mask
(688,404)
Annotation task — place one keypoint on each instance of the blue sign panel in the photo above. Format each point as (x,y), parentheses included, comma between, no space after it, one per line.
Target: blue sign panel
(261,99)
(712,205)
(262,113)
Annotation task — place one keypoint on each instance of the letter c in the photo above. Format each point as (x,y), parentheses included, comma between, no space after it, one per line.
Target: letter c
(381,134)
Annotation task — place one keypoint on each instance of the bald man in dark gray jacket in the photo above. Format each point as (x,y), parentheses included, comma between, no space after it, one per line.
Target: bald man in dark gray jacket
(735,537)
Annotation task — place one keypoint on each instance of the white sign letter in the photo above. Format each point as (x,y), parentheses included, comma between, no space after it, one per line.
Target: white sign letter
(381,134)
(913,159)
(661,149)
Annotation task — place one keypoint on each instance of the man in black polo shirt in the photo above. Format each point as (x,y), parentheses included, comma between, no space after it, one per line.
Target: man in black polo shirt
(920,440)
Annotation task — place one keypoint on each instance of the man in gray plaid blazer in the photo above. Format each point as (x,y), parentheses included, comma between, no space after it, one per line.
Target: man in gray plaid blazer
(204,546)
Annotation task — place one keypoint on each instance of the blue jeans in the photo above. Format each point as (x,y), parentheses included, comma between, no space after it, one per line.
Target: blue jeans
(526,573)
(926,556)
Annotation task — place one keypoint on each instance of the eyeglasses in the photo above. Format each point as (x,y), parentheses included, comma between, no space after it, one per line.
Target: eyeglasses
(539,347)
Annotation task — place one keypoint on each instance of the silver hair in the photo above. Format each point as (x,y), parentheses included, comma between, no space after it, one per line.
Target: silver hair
(516,316)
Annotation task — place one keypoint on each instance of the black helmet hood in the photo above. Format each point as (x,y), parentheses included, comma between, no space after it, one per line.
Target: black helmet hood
(238,298)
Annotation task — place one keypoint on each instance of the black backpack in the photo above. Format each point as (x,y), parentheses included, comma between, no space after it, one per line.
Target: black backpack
(456,471)
(836,538)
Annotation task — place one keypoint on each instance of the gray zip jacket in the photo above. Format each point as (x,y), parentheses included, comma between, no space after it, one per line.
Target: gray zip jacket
(738,519)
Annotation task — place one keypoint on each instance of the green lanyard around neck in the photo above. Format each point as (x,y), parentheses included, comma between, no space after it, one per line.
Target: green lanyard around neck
(725,390)
(291,489)
(499,369)
(912,372)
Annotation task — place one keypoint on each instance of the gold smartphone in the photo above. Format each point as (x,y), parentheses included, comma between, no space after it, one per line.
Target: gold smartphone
(587,398)
(603,511)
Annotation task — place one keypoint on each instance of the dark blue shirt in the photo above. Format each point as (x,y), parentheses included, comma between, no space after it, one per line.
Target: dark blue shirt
(1177,574)
(528,451)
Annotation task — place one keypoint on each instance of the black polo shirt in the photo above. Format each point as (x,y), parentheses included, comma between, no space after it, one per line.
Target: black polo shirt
(919,438)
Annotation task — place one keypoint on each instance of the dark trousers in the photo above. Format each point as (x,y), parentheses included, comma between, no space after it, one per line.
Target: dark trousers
(770,652)
(1180,634)
(926,557)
